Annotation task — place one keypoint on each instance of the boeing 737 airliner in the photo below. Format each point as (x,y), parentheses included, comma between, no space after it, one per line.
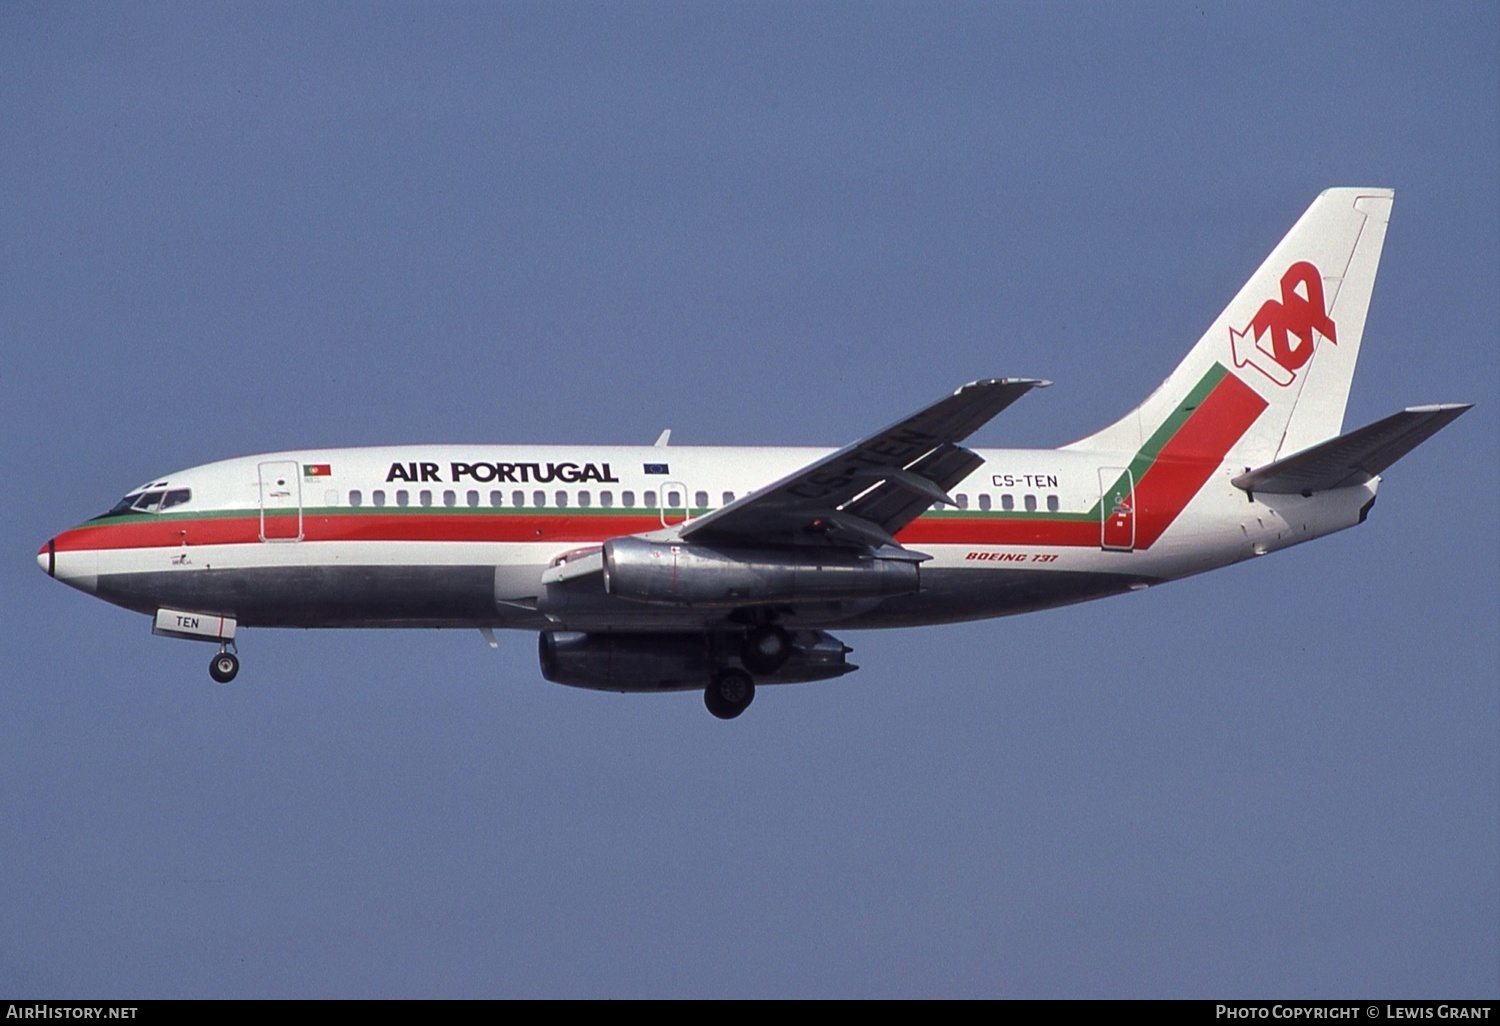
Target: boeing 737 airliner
(720,569)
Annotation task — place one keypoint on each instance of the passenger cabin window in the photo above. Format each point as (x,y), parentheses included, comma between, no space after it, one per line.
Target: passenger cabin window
(962,500)
(379,496)
(583,498)
(1007,502)
(1052,504)
(450,498)
(674,499)
(356,497)
(518,499)
(627,499)
(539,499)
(1031,503)
(562,499)
(984,502)
(728,498)
(606,498)
(402,497)
(700,500)
(650,499)
(425,496)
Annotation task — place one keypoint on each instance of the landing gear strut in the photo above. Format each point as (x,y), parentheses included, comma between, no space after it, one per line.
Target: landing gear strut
(223,667)
(729,693)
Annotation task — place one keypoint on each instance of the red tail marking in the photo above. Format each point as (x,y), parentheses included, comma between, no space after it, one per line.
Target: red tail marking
(1189,459)
(1295,315)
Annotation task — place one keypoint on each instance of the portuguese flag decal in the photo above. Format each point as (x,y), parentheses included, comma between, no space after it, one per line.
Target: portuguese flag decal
(317,469)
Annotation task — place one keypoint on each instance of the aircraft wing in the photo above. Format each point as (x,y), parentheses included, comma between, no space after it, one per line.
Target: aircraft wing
(1353,458)
(867,491)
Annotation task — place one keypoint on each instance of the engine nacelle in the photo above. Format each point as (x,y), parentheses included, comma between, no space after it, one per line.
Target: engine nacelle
(674,662)
(625,662)
(678,574)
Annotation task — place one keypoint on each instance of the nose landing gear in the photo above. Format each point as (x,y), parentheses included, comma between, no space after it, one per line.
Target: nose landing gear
(223,667)
(214,627)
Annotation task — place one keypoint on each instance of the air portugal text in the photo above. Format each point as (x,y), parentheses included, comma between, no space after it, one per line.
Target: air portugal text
(516,473)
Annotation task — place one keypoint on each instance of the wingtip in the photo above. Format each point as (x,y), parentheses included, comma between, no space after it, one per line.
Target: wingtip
(987,382)
(1454,408)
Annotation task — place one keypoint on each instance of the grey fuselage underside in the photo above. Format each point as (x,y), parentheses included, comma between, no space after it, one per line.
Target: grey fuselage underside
(465,596)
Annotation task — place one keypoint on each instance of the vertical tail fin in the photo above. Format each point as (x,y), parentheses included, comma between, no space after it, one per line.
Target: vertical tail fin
(1282,354)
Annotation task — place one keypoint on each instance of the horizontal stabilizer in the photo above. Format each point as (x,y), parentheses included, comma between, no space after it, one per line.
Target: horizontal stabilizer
(1354,458)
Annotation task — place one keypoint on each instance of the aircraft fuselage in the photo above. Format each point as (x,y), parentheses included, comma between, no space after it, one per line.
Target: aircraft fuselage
(459,536)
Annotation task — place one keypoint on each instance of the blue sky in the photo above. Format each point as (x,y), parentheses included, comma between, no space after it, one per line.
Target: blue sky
(228,229)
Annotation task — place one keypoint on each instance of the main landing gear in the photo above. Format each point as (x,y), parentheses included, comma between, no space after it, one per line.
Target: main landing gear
(764,651)
(223,667)
(729,693)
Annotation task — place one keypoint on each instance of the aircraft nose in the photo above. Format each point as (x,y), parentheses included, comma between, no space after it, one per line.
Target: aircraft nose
(74,566)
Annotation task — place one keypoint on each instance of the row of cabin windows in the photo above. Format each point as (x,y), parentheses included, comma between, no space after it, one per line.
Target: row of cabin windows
(151,502)
(518,499)
(1008,502)
(585,499)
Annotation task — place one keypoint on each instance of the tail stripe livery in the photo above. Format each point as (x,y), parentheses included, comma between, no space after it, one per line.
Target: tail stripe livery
(1194,452)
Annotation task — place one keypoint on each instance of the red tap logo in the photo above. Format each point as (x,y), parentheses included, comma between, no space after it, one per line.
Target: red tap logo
(1291,324)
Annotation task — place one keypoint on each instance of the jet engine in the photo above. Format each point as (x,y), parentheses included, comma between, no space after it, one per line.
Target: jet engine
(675,573)
(676,662)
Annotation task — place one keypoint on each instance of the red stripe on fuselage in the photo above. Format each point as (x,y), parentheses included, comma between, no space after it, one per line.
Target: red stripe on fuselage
(988,531)
(371,526)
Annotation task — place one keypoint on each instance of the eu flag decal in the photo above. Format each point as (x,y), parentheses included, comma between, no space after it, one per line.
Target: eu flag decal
(657,468)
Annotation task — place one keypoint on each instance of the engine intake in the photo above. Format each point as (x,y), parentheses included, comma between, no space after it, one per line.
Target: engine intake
(669,573)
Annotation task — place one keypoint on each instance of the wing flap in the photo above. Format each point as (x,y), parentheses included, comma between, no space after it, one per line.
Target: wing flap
(942,468)
(1353,458)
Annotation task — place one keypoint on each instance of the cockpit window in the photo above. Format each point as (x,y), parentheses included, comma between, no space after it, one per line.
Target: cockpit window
(150,501)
